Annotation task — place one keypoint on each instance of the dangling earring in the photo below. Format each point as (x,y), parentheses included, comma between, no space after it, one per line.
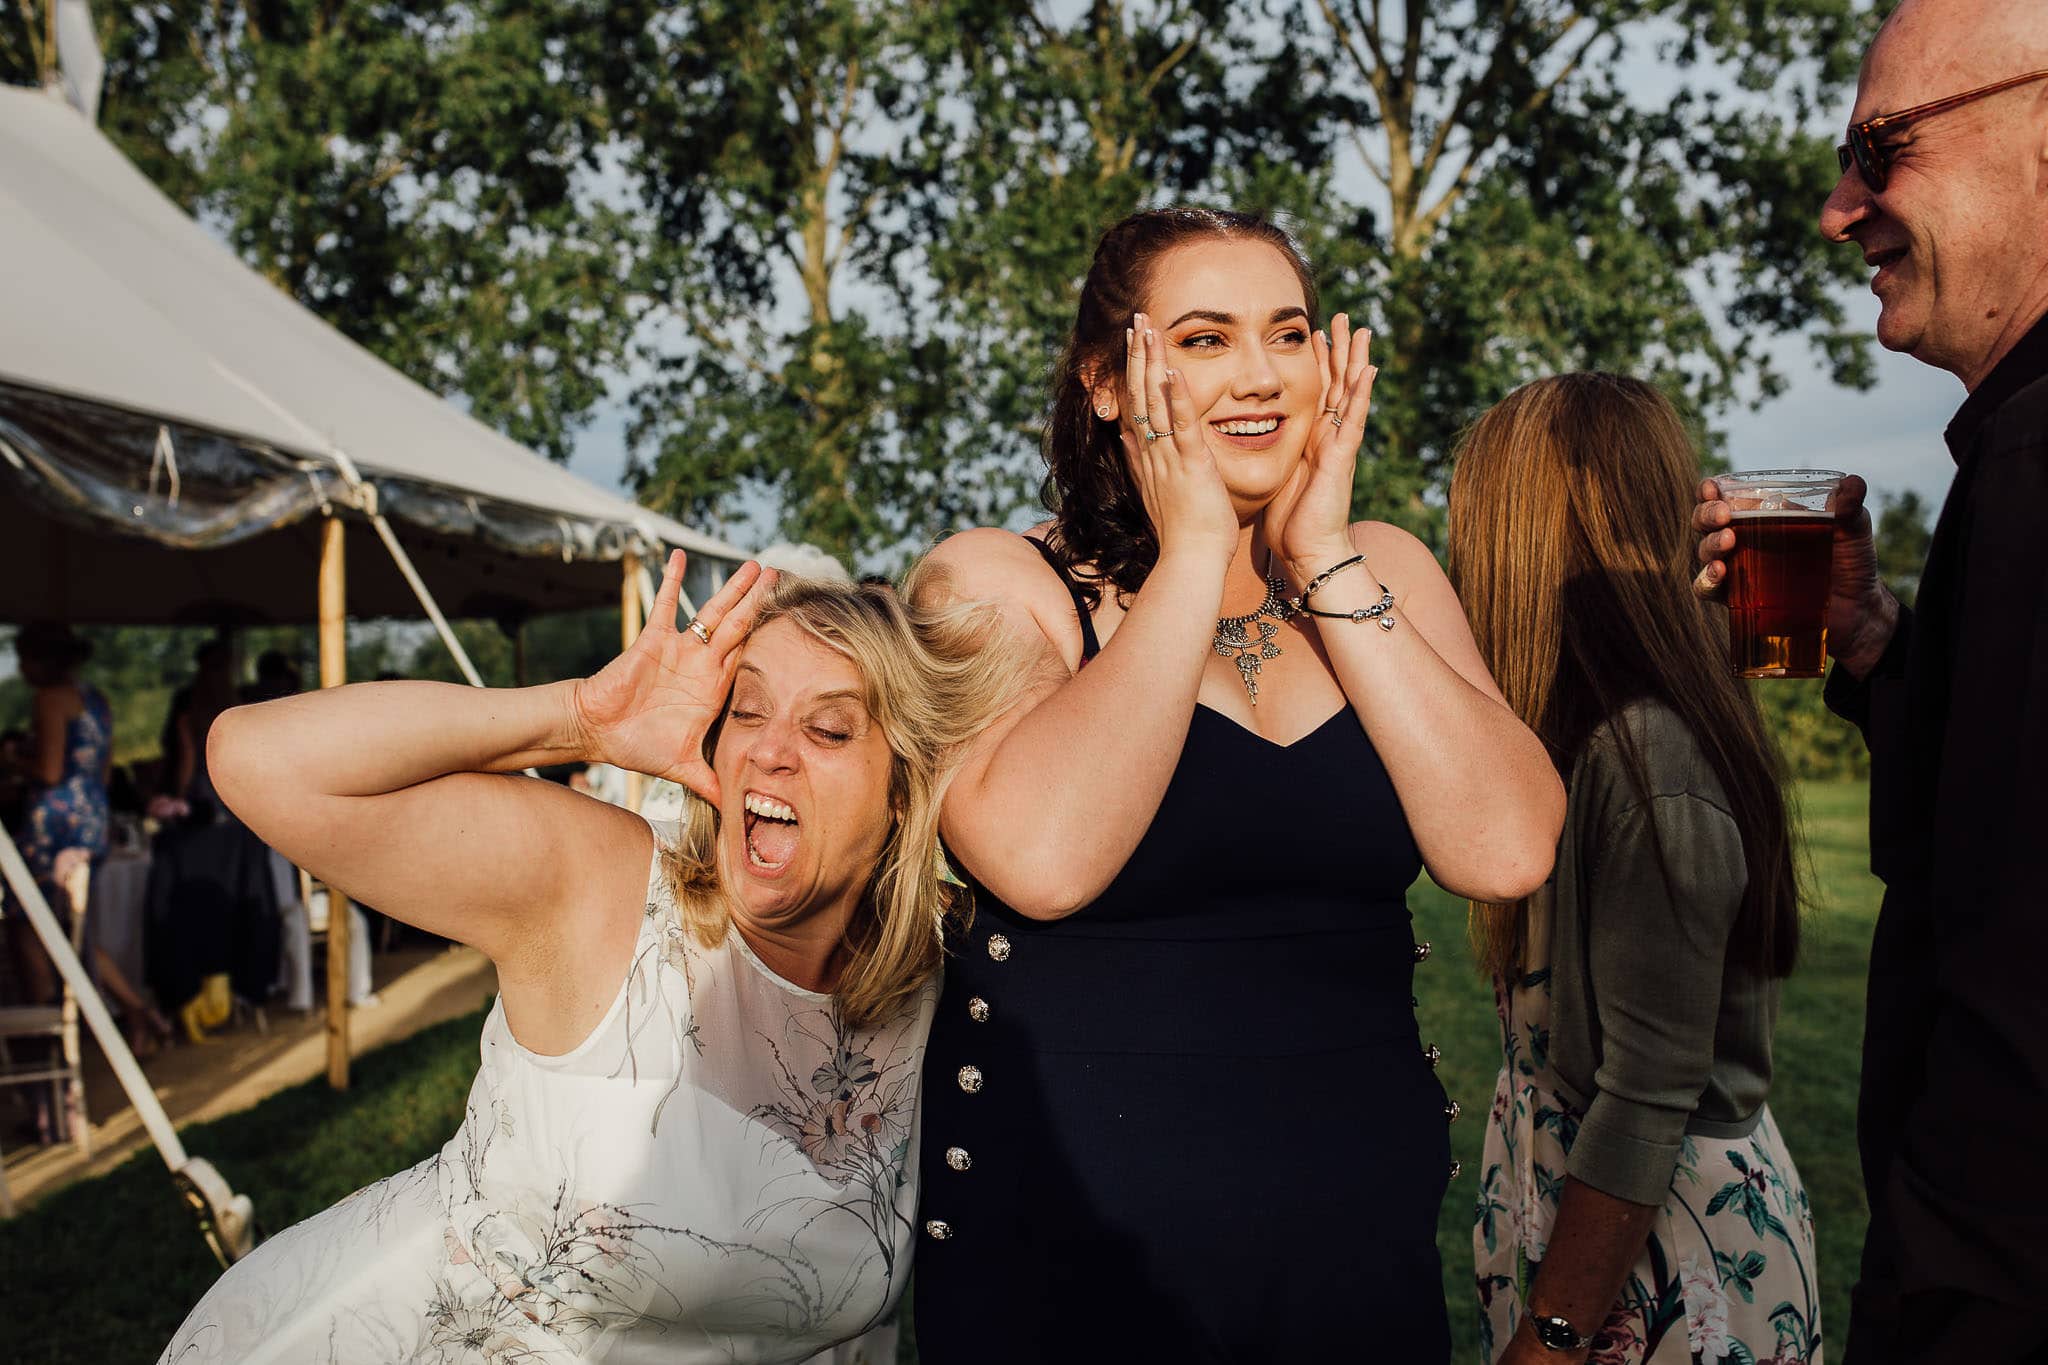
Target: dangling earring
(1103,413)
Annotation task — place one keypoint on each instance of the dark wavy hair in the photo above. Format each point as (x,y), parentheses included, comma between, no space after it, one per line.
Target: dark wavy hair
(1099,521)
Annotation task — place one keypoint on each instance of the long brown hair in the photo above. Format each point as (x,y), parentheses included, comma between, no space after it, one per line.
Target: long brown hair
(1570,550)
(1099,522)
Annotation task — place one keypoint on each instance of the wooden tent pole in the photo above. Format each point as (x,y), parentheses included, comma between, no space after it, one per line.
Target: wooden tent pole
(630,621)
(333,673)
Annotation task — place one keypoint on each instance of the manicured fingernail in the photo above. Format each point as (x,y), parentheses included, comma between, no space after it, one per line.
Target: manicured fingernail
(1150,336)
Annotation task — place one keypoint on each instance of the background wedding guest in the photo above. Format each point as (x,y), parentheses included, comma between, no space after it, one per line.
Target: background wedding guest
(1944,190)
(66,759)
(276,676)
(217,909)
(1631,1146)
(191,713)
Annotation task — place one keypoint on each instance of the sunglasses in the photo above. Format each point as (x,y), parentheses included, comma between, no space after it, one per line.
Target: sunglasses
(1872,159)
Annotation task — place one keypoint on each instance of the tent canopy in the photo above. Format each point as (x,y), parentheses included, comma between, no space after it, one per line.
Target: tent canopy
(171,425)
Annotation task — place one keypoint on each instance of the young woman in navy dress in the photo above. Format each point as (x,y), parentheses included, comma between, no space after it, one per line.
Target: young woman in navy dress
(1177,1105)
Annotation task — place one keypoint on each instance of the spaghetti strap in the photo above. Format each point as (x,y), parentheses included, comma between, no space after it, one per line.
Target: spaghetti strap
(1090,646)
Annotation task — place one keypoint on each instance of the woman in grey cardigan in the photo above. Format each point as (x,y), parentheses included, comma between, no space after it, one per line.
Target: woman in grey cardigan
(1636,1201)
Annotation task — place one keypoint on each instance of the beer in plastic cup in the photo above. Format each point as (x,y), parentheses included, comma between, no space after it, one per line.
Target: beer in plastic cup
(1784,524)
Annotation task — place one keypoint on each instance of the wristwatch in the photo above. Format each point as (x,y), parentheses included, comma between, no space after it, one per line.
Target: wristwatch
(1557,1334)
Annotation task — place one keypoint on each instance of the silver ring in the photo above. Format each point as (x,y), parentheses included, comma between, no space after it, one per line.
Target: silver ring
(1144,419)
(1335,420)
(1152,435)
(696,628)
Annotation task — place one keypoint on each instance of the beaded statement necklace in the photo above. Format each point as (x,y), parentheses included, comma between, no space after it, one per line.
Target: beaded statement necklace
(1234,634)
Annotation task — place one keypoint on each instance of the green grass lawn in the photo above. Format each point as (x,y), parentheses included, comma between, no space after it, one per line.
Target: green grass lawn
(105,1270)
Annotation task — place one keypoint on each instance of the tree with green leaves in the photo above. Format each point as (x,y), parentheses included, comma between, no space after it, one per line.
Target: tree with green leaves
(834,286)
(825,251)
(1903,534)
(764,151)
(1528,212)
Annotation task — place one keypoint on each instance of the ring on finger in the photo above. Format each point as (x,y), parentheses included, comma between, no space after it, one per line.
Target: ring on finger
(1143,419)
(696,628)
(1151,435)
(1335,420)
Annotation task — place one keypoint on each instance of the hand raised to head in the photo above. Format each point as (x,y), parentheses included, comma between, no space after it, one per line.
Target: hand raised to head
(1310,521)
(649,709)
(1168,451)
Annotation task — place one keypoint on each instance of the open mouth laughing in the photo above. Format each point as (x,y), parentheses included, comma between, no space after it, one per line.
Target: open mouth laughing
(771,830)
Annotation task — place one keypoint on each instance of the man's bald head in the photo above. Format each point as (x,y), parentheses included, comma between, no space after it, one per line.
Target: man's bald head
(1959,233)
(1931,48)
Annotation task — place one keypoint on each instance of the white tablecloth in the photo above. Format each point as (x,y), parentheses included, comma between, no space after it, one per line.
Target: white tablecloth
(295,942)
(115,907)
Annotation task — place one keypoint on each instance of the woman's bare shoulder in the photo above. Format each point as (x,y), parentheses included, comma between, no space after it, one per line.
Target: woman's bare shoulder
(991,563)
(60,701)
(1385,541)
(988,564)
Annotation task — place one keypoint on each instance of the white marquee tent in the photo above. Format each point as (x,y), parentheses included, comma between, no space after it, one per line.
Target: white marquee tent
(156,394)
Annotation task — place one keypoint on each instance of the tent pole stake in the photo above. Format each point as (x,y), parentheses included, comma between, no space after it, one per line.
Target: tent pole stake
(333,673)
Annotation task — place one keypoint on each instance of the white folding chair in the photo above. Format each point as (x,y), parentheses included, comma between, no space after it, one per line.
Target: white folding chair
(56,1023)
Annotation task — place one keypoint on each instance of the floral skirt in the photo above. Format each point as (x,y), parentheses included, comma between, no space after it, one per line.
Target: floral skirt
(1727,1273)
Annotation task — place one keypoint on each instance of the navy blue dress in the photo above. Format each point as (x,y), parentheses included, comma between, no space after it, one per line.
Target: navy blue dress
(1195,1121)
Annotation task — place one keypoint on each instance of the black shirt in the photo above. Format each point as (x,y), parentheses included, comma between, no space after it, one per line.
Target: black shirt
(1953,1116)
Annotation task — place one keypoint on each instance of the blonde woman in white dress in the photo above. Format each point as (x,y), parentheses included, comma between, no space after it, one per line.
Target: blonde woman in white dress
(694,1133)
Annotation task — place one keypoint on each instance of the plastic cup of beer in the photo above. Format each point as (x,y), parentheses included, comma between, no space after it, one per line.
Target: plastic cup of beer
(1784,524)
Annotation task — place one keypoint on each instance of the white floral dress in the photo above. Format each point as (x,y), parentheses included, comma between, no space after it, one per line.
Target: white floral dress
(1727,1274)
(720,1172)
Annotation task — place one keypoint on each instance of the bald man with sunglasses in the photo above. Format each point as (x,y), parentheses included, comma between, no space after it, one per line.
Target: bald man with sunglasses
(1944,190)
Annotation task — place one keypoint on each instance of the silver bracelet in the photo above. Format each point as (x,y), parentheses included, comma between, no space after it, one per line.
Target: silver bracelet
(1378,611)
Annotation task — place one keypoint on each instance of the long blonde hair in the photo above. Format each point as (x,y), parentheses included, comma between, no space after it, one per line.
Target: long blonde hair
(934,677)
(1570,550)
